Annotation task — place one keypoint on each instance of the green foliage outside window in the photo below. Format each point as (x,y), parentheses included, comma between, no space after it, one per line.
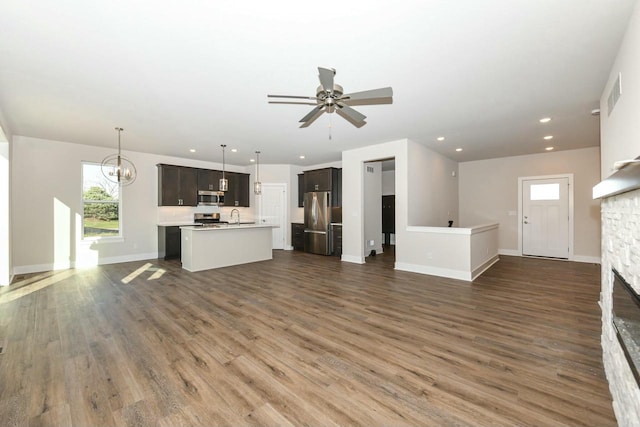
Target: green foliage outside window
(100,211)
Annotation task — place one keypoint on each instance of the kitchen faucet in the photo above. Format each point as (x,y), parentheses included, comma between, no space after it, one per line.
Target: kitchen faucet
(238,212)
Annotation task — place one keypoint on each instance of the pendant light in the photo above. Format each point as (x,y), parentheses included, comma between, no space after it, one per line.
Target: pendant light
(257,186)
(117,168)
(224,183)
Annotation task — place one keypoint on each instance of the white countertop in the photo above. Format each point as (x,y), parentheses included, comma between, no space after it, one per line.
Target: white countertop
(175,223)
(227,227)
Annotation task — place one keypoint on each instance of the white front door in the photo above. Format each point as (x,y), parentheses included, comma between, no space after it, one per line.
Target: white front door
(272,204)
(545,217)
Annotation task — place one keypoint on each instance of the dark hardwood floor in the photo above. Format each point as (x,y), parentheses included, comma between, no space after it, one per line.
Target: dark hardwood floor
(303,340)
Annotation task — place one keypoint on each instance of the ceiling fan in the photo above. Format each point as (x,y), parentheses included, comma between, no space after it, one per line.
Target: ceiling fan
(330,98)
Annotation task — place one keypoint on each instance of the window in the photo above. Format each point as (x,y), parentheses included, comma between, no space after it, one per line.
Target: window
(100,204)
(545,191)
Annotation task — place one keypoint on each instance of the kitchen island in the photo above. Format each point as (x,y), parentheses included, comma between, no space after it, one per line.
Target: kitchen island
(204,248)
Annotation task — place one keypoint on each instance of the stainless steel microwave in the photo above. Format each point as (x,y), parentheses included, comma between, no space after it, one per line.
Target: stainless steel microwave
(210,198)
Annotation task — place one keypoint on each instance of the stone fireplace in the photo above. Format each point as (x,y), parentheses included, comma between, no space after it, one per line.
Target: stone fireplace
(620,251)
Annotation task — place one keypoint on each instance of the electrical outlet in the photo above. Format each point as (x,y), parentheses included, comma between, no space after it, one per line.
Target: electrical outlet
(371,242)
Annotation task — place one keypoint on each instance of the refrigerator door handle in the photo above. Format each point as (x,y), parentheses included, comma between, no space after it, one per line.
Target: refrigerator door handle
(315,232)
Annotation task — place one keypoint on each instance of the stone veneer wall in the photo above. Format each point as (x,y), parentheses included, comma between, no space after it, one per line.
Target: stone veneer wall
(620,250)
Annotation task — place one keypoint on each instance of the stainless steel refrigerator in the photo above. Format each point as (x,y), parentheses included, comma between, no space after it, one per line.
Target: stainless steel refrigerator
(317,218)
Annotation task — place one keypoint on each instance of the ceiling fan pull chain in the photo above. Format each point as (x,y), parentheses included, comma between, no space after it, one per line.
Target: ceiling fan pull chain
(330,127)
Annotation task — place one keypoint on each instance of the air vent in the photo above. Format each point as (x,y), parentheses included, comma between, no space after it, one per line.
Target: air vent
(370,169)
(615,94)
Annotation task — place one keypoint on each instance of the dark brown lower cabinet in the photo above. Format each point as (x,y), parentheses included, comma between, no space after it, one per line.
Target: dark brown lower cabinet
(297,236)
(169,242)
(336,240)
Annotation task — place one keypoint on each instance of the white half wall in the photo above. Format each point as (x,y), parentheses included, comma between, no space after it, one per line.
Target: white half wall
(489,193)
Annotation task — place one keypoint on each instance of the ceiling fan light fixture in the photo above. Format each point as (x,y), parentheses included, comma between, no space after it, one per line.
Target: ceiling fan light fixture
(117,168)
(223,184)
(330,98)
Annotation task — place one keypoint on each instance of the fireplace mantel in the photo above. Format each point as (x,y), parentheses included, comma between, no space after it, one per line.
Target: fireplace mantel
(627,178)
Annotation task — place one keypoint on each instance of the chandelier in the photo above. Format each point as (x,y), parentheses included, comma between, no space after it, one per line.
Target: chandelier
(257,186)
(223,185)
(117,168)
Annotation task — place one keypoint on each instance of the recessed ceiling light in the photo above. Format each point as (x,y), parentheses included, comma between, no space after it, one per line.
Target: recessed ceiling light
(302,157)
(440,138)
(193,150)
(548,137)
(458,149)
(549,148)
(252,160)
(545,120)
(234,150)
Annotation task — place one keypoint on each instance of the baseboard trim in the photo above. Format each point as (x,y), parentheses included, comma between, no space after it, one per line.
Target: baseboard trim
(434,271)
(509,252)
(37,268)
(587,259)
(484,267)
(353,259)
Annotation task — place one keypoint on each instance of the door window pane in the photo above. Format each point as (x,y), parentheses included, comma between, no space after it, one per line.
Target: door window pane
(545,191)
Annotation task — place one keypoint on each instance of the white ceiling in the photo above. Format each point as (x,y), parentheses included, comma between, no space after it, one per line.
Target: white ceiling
(195,73)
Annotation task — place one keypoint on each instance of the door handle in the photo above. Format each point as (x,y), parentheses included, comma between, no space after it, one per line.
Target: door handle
(526,222)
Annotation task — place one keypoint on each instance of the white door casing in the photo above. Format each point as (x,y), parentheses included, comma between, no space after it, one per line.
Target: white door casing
(272,208)
(546,216)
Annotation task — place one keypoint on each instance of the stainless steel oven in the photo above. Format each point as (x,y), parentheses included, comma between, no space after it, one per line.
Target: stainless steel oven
(210,198)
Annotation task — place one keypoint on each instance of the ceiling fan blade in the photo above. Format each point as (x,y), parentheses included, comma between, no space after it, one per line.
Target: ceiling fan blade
(293,103)
(292,96)
(370,101)
(356,116)
(312,116)
(349,119)
(326,78)
(383,94)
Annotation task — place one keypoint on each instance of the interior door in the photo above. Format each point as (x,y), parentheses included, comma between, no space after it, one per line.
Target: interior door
(545,217)
(272,211)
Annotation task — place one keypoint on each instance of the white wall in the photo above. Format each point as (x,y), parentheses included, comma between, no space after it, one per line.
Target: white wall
(432,188)
(47,205)
(6,145)
(5,217)
(620,133)
(372,182)
(443,202)
(353,249)
(620,139)
(489,192)
(388,183)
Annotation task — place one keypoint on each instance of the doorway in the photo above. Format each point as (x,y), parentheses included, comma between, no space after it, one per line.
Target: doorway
(379,223)
(546,216)
(272,211)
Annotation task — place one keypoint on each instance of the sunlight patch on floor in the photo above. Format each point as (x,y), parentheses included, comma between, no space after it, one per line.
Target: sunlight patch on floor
(157,273)
(21,289)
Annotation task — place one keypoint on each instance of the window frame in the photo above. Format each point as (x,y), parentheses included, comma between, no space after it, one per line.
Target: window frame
(103,239)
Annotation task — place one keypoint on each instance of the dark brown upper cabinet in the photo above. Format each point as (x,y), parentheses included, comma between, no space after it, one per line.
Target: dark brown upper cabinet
(238,193)
(177,185)
(327,179)
(209,180)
